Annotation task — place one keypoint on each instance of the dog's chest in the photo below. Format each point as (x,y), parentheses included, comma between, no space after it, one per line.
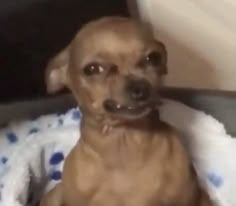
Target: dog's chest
(120,186)
(127,172)
(133,168)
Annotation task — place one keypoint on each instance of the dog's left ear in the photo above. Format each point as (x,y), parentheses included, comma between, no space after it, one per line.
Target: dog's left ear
(163,50)
(56,71)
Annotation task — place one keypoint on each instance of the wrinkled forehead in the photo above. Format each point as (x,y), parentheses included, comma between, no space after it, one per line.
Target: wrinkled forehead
(111,42)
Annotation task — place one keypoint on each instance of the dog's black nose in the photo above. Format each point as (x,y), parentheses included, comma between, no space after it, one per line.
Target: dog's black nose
(139,90)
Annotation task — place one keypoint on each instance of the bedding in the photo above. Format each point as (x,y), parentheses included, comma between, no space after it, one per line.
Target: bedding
(32,153)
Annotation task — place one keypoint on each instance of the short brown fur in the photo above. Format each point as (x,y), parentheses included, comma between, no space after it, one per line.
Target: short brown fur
(120,159)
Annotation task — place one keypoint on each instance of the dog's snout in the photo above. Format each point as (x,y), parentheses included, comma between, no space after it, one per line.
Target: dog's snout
(139,90)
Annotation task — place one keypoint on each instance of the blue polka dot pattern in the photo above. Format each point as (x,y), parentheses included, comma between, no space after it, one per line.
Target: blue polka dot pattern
(215,179)
(76,115)
(4,160)
(33,130)
(56,175)
(56,158)
(11,137)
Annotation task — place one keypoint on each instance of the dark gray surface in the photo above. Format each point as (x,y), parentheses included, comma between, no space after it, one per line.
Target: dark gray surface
(221,105)
(31,109)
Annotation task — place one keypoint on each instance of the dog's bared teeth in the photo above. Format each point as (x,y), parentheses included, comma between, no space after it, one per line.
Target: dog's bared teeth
(118,106)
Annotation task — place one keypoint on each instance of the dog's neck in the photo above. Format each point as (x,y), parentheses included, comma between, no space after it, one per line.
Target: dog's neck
(115,141)
(103,125)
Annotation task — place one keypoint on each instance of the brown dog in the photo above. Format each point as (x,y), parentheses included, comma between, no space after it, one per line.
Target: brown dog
(126,156)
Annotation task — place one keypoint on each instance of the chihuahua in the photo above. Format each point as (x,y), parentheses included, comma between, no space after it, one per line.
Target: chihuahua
(126,155)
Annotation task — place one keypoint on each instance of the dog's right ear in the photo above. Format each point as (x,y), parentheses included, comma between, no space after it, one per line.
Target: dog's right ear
(56,71)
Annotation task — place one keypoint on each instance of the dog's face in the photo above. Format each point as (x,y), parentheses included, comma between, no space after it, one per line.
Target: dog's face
(113,67)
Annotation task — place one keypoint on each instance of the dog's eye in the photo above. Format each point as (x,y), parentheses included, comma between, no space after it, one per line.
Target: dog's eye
(154,58)
(93,68)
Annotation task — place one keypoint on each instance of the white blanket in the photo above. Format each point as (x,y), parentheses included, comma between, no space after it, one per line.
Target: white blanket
(32,153)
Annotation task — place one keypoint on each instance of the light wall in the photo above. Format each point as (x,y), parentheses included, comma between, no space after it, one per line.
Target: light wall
(200,36)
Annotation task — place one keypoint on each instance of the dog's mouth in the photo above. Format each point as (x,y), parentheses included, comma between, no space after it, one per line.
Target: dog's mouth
(128,111)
